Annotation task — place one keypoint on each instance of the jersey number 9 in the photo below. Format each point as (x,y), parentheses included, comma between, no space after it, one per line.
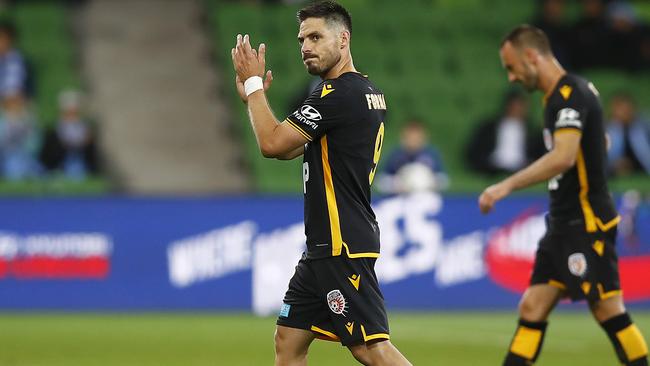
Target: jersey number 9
(379,142)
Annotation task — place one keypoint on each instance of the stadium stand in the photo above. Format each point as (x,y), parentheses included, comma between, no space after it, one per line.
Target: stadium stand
(164,130)
(45,37)
(447,72)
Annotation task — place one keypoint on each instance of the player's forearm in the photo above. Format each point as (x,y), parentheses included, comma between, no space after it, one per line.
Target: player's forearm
(544,168)
(292,154)
(263,123)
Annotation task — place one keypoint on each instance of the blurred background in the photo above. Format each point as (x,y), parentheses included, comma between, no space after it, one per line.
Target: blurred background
(139,224)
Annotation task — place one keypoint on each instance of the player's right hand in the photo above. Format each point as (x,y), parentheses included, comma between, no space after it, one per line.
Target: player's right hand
(491,195)
(268,79)
(249,62)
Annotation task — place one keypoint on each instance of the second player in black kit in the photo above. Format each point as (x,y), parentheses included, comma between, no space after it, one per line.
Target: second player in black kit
(577,253)
(343,120)
(577,256)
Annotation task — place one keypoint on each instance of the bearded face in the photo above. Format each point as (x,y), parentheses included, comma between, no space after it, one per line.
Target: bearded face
(520,70)
(320,45)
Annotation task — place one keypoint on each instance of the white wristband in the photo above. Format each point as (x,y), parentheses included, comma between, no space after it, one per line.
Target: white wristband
(253,84)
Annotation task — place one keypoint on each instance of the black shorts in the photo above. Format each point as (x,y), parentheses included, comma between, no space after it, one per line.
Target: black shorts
(338,298)
(583,264)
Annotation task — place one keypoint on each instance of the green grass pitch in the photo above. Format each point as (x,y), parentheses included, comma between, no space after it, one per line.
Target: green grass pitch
(453,338)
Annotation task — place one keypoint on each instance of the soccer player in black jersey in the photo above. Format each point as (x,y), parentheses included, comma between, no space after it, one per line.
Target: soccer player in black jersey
(576,257)
(334,293)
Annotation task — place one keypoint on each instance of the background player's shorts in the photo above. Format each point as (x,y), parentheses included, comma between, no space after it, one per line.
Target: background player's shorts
(584,264)
(338,298)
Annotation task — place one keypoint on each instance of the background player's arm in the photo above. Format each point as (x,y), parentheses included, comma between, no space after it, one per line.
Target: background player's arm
(562,157)
(275,140)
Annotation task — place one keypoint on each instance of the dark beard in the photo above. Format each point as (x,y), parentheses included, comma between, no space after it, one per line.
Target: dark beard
(324,70)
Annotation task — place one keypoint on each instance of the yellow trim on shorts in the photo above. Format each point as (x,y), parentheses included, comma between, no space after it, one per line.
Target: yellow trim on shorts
(557,284)
(367,338)
(606,295)
(359,255)
(325,333)
(607,226)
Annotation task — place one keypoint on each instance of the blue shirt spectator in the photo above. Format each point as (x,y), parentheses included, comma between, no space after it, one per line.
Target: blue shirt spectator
(13,68)
(629,138)
(18,140)
(415,165)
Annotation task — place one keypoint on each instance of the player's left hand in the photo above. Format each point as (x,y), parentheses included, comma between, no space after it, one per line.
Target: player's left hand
(491,195)
(249,62)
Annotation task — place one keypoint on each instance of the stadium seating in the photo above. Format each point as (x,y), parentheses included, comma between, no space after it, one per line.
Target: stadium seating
(45,37)
(446,72)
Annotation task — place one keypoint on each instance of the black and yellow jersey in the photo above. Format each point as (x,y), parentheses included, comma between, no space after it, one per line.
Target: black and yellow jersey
(343,119)
(580,192)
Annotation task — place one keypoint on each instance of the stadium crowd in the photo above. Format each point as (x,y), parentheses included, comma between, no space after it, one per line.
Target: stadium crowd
(607,34)
(27,149)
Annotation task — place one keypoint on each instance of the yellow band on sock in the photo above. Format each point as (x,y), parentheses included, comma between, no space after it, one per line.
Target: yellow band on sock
(526,342)
(633,343)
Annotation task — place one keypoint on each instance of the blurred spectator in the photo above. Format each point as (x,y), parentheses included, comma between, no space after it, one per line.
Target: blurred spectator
(644,46)
(590,37)
(415,165)
(18,140)
(69,146)
(629,136)
(504,144)
(14,77)
(626,37)
(550,19)
(631,204)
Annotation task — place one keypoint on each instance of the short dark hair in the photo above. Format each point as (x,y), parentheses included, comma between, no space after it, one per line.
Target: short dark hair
(328,10)
(526,35)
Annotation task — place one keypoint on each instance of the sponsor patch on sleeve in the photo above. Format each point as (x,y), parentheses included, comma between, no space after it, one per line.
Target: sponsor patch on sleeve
(568,117)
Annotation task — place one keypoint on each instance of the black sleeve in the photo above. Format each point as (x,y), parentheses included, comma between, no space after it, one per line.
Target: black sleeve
(569,110)
(326,108)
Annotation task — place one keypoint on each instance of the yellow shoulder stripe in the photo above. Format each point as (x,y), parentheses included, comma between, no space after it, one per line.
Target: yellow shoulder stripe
(295,127)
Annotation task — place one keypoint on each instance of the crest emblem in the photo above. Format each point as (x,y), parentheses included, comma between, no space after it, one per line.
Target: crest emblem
(577,264)
(336,302)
